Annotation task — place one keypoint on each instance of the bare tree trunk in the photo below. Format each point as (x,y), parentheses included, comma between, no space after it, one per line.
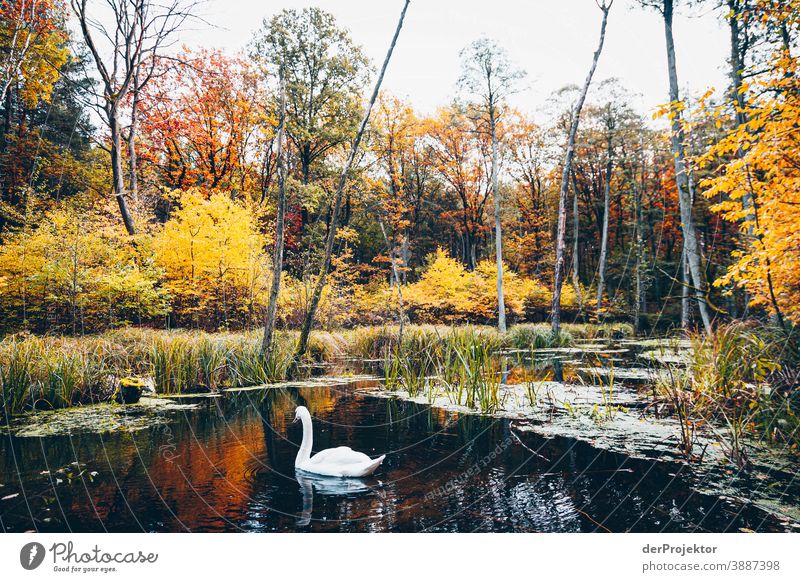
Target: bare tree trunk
(639,287)
(498,230)
(277,256)
(601,277)
(576,228)
(558,279)
(15,55)
(686,283)
(395,281)
(135,31)
(681,176)
(117,171)
(308,321)
(133,173)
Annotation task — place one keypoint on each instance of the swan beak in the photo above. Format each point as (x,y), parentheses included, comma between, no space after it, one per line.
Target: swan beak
(296,418)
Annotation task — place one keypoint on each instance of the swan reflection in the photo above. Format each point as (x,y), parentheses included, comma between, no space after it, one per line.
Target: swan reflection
(334,486)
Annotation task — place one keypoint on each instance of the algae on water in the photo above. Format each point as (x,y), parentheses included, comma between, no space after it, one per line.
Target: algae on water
(97,418)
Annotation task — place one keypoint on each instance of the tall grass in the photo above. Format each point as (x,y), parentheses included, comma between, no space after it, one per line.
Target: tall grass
(732,386)
(46,373)
(537,336)
(464,363)
(52,372)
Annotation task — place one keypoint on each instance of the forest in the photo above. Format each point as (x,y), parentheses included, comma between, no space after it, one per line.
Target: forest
(184,219)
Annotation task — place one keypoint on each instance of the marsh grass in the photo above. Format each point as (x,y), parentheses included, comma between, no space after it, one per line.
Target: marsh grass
(674,389)
(732,387)
(47,373)
(54,372)
(537,336)
(461,363)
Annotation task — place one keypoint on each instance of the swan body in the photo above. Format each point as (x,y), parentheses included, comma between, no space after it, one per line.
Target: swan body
(336,462)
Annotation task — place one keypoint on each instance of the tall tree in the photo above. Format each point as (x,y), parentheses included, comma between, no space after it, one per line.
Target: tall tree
(610,125)
(122,34)
(29,31)
(558,277)
(277,255)
(690,244)
(325,75)
(460,153)
(308,322)
(488,75)
(198,120)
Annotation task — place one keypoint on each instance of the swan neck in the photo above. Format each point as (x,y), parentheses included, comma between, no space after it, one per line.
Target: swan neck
(304,454)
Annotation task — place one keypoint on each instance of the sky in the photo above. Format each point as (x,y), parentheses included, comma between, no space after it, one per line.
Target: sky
(553,40)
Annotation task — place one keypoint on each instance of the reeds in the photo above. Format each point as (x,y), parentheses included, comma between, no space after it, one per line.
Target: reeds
(726,388)
(53,372)
(47,373)
(464,364)
(537,336)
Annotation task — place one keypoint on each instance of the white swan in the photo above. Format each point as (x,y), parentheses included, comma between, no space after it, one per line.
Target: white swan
(338,462)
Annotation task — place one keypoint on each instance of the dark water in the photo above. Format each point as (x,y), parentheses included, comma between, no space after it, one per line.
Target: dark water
(229,466)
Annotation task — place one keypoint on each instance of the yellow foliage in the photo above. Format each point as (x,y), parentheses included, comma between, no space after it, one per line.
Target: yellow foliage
(758,187)
(77,269)
(213,257)
(447,292)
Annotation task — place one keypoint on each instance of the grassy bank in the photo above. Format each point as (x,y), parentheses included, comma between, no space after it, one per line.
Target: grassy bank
(57,372)
(741,385)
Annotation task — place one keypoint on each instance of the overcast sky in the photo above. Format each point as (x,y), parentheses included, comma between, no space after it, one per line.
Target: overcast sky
(552,40)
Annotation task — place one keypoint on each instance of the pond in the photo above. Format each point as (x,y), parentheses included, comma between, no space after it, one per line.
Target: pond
(226,463)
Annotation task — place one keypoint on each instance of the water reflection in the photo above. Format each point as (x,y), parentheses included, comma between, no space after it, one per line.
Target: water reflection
(329,486)
(228,465)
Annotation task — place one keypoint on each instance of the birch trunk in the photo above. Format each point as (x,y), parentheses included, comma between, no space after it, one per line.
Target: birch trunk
(638,286)
(576,227)
(395,281)
(681,177)
(277,256)
(133,174)
(558,278)
(498,231)
(601,276)
(316,295)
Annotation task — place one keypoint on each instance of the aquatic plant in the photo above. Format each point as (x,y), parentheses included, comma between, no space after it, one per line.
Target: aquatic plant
(675,390)
(728,370)
(46,373)
(538,336)
(591,331)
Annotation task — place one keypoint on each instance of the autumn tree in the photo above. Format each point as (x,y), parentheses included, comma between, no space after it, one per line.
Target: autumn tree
(755,172)
(32,45)
(200,120)
(77,272)
(558,277)
(120,35)
(337,201)
(488,78)
(213,259)
(531,156)
(691,249)
(325,76)
(462,157)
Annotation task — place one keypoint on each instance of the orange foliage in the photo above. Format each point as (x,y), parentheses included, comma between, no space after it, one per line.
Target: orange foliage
(198,119)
